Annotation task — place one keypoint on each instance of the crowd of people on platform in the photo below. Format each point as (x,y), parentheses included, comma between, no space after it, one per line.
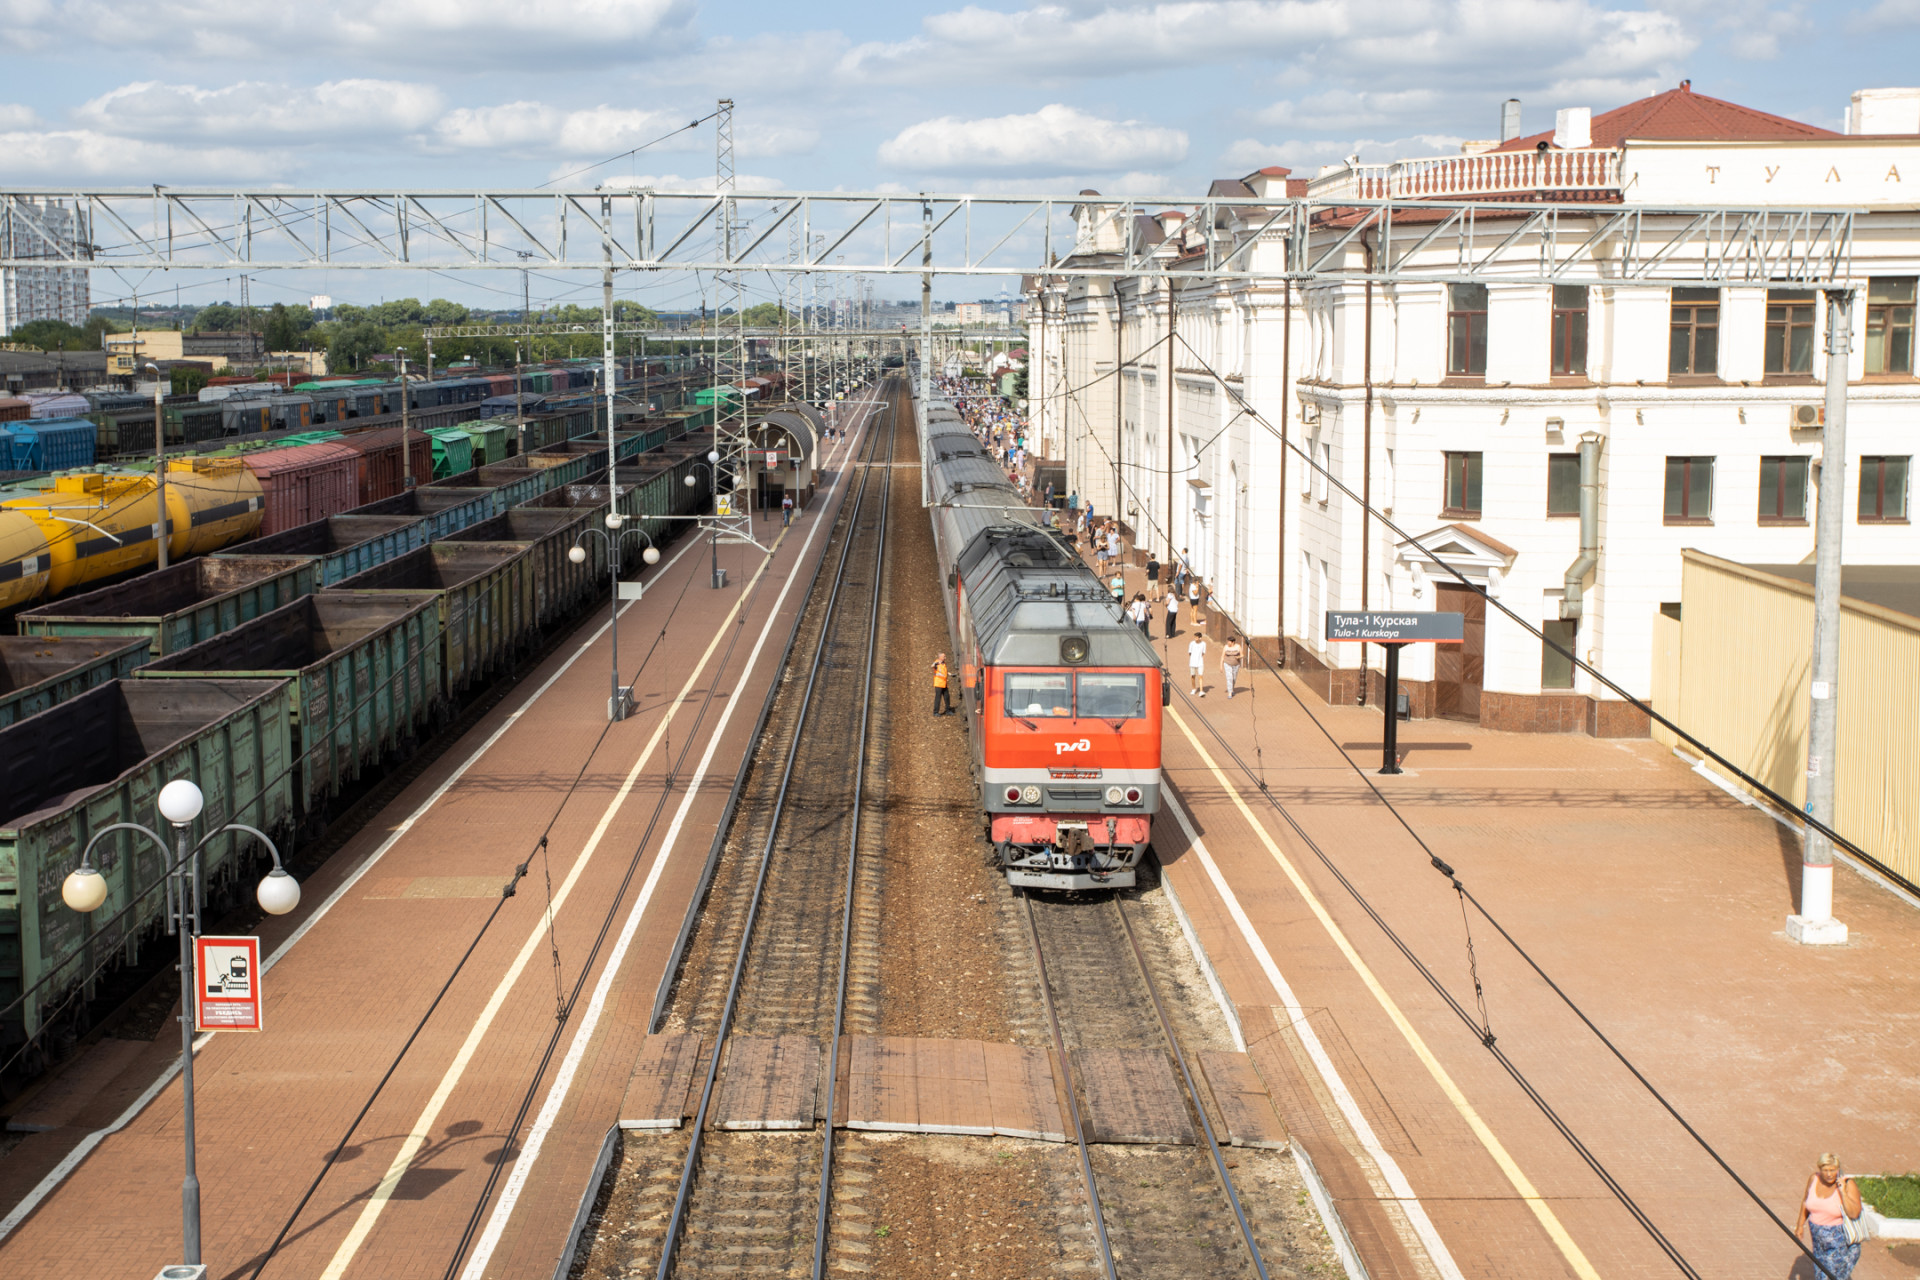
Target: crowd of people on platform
(1004,433)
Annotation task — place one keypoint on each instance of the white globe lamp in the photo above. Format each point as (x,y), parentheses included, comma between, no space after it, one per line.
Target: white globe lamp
(651,555)
(692,481)
(615,519)
(279,892)
(713,455)
(577,554)
(84,890)
(180,802)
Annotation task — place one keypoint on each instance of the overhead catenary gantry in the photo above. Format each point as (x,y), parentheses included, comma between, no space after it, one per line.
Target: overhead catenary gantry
(900,234)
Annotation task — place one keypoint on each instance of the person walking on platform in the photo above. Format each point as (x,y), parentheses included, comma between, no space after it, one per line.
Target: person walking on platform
(1828,1206)
(1197,662)
(1153,574)
(1173,614)
(1230,657)
(1113,541)
(1139,611)
(1118,586)
(942,700)
(786,511)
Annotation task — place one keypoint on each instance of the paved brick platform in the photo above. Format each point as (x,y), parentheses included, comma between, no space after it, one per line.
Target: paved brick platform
(625,845)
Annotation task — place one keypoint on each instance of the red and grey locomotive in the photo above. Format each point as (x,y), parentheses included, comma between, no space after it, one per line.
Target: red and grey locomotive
(1062,694)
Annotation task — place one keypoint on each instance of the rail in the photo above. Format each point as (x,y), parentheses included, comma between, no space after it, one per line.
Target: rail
(683,1197)
(1216,1157)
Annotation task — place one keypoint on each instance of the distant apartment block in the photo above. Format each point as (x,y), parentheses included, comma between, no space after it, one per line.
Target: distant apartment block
(42,229)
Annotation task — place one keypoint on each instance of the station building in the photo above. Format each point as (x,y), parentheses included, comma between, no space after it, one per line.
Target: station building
(1462,412)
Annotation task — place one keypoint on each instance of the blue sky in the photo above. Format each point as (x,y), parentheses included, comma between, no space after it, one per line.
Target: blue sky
(1138,99)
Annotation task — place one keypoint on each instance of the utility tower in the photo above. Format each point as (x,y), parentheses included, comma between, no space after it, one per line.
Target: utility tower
(730,521)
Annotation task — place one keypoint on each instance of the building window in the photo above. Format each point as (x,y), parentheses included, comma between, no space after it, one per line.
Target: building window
(1467,330)
(1694,345)
(1563,484)
(1569,329)
(1883,490)
(1890,326)
(1689,490)
(1789,331)
(1463,485)
(1556,668)
(1783,491)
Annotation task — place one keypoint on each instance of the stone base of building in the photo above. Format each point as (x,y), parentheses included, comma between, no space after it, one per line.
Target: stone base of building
(1509,712)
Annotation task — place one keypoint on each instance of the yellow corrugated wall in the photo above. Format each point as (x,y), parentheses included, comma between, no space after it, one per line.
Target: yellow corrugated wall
(1744,691)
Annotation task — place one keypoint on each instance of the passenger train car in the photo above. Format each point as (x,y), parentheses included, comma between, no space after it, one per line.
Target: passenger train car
(1062,693)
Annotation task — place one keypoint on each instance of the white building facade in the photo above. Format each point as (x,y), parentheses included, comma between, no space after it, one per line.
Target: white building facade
(42,229)
(1459,413)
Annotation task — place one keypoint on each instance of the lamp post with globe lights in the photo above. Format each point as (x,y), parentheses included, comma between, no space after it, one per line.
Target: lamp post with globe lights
(713,494)
(85,889)
(617,702)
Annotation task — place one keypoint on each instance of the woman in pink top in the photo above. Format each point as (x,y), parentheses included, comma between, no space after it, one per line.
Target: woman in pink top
(1827,1199)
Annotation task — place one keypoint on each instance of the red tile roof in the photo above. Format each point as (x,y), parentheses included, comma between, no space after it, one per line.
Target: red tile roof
(1682,114)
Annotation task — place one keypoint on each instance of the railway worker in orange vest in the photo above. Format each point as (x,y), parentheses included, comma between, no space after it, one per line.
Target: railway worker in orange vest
(942,701)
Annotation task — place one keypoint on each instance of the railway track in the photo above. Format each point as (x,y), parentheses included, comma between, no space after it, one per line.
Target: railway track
(775,954)
(1180,1215)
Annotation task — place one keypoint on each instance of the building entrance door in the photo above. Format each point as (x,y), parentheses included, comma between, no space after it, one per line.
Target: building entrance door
(1458,668)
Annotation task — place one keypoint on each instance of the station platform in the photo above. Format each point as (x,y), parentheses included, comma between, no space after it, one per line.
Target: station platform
(615,830)
(1657,902)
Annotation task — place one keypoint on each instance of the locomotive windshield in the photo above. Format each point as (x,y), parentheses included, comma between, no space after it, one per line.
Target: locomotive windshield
(1113,695)
(1033,694)
(1098,695)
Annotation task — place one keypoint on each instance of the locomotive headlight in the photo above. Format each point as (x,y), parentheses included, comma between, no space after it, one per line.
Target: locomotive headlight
(1031,795)
(1013,795)
(1133,795)
(1073,649)
(1116,795)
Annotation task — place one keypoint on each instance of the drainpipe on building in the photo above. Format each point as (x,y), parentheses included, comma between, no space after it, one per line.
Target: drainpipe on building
(1286,378)
(1366,461)
(1572,604)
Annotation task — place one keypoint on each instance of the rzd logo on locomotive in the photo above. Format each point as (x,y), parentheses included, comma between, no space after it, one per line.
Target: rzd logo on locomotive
(1061,748)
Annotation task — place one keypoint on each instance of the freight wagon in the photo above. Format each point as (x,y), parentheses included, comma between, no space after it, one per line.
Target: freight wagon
(484,594)
(97,759)
(38,671)
(344,545)
(181,604)
(365,673)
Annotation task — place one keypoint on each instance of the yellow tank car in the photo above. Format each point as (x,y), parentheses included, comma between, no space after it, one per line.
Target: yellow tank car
(211,503)
(24,563)
(95,526)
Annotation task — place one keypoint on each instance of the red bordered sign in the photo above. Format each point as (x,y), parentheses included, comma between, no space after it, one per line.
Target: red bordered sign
(226,984)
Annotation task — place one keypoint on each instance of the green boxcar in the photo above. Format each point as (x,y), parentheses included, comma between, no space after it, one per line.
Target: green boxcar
(344,545)
(182,604)
(452,451)
(101,758)
(485,595)
(365,671)
(38,671)
(560,586)
(489,437)
(446,508)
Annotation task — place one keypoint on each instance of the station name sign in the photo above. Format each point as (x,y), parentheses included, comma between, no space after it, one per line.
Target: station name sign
(1396,627)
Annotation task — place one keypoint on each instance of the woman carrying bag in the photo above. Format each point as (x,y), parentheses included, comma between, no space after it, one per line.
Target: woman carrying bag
(1830,1211)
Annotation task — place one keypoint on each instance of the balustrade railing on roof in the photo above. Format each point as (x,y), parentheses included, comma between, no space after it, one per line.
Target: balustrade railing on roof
(1490,173)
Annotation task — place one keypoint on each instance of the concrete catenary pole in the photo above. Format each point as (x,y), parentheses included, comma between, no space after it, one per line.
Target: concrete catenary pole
(1815,924)
(926,305)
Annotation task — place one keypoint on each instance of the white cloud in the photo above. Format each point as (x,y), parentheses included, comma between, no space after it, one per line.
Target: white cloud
(491,32)
(336,110)
(65,154)
(1347,109)
(15,116)
(1305,157)
(1054,139)
(675,182)
(601,130)
(1888,13)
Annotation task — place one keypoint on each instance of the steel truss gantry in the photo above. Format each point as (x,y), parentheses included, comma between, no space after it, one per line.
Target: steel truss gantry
(739,233)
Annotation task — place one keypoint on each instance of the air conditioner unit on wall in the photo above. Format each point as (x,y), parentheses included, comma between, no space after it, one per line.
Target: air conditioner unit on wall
(1806,417)
(1309,411)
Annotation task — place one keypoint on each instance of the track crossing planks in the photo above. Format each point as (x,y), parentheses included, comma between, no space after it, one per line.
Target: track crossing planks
(768,1082)
(657,1090)
(1242,1099)
(903,1084)
(1130,1096)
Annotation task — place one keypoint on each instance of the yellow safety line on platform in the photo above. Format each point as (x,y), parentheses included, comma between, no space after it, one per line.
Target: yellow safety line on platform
(536,938)
(1521,1183)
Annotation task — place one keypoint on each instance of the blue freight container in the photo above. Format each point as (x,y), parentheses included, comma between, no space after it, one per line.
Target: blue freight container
(50,444)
